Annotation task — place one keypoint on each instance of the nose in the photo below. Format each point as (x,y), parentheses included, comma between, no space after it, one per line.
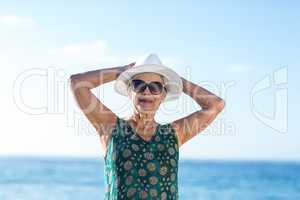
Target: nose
(146,91)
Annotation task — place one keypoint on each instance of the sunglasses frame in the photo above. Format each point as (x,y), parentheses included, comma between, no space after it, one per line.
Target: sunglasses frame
(147,85)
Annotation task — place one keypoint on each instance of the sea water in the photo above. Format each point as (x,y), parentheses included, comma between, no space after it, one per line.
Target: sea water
(49,178)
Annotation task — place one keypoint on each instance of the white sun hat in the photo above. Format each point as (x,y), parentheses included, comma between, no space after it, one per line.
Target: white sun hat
(151,63)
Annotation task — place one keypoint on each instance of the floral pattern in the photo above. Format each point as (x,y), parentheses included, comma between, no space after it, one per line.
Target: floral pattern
(140,169)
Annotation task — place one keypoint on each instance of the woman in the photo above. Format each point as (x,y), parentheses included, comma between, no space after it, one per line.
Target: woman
(141,159)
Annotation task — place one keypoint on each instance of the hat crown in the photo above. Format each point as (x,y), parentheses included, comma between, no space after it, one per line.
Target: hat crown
(151,63)
(151,59)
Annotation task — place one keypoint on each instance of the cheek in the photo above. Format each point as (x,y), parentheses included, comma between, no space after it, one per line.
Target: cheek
(158,100)
(134,99)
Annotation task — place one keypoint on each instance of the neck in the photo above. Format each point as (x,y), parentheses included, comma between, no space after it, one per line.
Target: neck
(144,122)
(144,118)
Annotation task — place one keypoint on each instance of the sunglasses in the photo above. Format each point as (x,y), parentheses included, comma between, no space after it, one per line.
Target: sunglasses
(139,86)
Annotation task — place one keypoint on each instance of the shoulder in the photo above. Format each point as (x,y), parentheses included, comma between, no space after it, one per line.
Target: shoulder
(170,130)
(166,128)
(115,130)
(114,136)
(174,130)
(122,127)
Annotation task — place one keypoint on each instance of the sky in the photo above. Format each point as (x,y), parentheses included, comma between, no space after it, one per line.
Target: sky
(246,52)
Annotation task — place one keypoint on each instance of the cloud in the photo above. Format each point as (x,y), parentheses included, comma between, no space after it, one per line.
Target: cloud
(16,21)
(82,53)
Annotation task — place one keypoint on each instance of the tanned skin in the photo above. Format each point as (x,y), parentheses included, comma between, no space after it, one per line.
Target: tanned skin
(142,120)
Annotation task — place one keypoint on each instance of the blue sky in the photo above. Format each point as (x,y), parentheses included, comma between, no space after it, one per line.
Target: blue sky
(230,47)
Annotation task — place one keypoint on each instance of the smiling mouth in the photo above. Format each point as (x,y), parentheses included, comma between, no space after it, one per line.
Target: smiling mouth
(148,101)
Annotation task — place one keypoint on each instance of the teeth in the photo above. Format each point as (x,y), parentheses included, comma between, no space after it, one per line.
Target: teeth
(145,100)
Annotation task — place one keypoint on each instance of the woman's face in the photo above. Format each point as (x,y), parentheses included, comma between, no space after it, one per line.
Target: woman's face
(145,101)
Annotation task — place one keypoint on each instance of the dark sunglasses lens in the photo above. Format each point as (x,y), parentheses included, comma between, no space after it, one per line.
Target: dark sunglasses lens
(155,87)
(138,85)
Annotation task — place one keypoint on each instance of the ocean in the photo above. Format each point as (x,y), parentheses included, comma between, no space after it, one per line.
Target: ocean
(50,178)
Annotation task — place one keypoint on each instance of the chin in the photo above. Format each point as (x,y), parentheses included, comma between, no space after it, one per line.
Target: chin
(145,108)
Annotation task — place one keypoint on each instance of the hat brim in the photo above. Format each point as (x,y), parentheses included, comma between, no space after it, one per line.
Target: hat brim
(173,81)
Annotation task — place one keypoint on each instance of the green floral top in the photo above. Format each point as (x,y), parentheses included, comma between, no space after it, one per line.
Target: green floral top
(140,169)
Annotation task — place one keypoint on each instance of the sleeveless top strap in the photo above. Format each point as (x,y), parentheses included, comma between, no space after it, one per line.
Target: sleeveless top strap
(115,131)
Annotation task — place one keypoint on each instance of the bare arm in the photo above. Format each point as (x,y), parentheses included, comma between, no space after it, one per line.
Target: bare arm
(100,116)
(189,126)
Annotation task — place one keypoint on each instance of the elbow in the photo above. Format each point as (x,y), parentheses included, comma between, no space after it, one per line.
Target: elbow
(78,81)
(74,77)
(73,80)
(219,105)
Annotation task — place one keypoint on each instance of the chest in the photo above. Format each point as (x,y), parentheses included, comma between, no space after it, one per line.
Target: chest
(156,156)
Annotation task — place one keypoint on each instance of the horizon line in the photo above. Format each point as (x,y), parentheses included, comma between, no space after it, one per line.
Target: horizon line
(208,159)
